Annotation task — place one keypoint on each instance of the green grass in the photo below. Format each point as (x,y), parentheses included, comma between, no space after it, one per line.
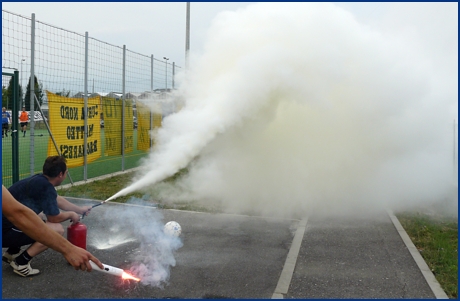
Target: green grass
(436,238)
(103,189)
(102,166)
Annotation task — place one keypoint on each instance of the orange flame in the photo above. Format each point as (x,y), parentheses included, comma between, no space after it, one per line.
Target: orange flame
(127,276)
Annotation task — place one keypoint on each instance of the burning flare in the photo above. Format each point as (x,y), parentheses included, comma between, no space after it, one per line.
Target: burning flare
(113,271)
(127,276)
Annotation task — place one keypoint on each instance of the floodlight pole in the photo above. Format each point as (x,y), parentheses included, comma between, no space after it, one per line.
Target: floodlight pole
(166,79)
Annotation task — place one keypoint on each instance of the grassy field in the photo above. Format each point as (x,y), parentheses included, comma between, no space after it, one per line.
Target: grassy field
(103,189)
(434,236)
(102,166)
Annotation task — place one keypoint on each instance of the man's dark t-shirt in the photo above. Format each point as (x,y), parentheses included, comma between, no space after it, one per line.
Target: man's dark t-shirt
(35,192)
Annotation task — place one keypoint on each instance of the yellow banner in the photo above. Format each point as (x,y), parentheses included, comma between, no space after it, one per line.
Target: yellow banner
(157,118)
(67,124)
(143,127)
(113,126)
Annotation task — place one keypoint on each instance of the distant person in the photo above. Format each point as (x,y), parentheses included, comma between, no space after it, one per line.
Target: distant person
(6,118)
(30,223)
(24,119)
(38,193)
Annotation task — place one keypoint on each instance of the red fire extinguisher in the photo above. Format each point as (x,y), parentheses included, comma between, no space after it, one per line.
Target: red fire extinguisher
(76,234)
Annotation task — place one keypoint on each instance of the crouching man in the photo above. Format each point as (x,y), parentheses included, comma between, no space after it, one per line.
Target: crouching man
(39,194)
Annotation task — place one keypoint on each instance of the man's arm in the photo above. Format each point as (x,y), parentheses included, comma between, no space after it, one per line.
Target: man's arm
(29,222)
(63,216)
(65,205)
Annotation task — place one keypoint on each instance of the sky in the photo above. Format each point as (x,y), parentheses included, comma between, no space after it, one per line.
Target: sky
(145,27)
(158,28)
(293,108)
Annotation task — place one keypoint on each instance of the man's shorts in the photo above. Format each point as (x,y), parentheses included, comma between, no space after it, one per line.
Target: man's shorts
(5,126)
(23,124)
(15,238)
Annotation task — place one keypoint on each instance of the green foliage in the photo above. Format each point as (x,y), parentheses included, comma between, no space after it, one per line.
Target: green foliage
(63,93)
(4,94)
(38,88)
(437,241)
(7,95)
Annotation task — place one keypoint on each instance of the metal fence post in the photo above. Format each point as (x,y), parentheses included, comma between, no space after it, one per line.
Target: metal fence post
(173,73)
(151,95)
(85,109)
(123,111)
(14,127)
(187,35)
(32,95)
(66,72)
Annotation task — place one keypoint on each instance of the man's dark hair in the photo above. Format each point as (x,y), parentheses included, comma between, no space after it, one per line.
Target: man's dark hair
(54,165)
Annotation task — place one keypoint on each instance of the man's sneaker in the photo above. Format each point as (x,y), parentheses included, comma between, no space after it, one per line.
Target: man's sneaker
(7,257)
(24,270)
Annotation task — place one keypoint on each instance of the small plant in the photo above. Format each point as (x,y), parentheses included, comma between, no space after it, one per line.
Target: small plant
(437,241)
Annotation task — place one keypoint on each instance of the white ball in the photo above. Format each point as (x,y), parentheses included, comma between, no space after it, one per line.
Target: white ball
(172,228)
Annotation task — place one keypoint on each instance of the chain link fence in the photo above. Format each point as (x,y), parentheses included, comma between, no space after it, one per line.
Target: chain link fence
(87,100)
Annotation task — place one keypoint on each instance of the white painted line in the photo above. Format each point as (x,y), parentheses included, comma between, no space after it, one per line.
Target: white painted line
(288,270)
(429,277)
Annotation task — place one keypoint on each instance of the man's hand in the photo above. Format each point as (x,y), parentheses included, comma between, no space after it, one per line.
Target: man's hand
(75,217)
(84,210)
(79,258)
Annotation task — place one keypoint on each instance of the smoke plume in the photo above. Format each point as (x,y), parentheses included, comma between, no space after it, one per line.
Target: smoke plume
(154,256)
(296,108)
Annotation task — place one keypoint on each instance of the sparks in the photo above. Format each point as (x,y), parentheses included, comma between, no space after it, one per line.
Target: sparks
(127,276)
(113,271)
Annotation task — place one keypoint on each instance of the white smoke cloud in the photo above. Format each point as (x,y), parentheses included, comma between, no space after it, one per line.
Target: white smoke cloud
(298,108)
(153,259)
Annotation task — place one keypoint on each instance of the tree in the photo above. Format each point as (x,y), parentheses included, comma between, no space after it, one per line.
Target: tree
(7,97)
(63,93)
(4,95)
(38,93)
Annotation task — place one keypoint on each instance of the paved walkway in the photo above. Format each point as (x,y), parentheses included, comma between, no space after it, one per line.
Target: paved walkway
(233,256)
(356,258)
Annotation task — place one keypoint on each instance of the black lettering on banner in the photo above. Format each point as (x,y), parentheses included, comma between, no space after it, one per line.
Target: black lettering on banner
(111,109)
(90,129)
(128,142)
(92,112)
(70,113)
(64,150)
(78,132)
(77,151)
(110,144)
(142,136)
(70,132)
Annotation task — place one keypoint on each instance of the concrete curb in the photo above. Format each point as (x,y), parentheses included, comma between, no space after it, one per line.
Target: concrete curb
(429,277)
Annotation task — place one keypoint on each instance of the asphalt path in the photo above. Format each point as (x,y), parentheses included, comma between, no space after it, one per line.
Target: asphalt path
(231,256)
